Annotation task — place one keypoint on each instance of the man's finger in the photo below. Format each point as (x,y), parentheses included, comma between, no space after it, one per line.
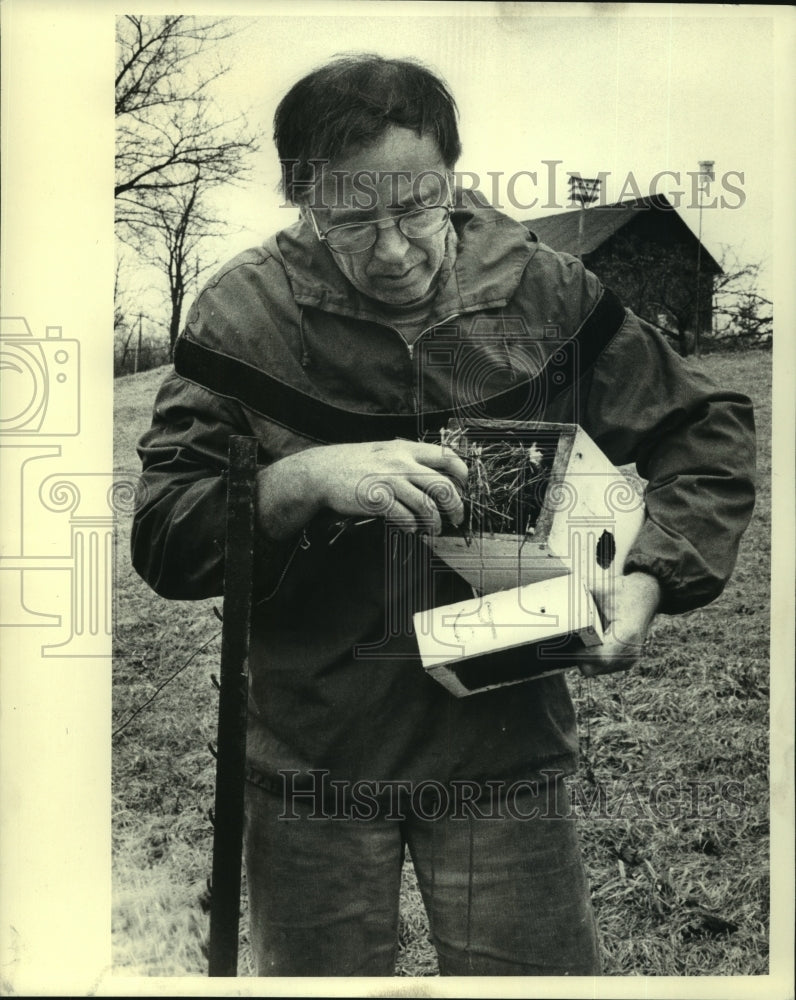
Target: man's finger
(375,494)
(443,460)
(401,516)
(420,504)
(442,492)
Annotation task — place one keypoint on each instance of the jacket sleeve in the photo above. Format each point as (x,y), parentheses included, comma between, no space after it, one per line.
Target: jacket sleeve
(694,442)
(178,531)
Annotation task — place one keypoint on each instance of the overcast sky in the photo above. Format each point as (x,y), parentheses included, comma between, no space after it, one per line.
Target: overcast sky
(623,95)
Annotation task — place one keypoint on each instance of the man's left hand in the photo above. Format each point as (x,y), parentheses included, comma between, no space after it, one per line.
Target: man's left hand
(628,610)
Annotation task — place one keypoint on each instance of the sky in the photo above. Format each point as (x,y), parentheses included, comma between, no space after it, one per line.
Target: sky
(630,96)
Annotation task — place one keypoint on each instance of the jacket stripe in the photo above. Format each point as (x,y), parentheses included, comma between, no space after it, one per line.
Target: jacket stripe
(329,424)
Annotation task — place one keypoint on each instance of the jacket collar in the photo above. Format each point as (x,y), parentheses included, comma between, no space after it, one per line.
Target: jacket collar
(486,254)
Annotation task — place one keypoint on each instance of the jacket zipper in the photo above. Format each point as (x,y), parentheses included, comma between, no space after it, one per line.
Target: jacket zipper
(410,347)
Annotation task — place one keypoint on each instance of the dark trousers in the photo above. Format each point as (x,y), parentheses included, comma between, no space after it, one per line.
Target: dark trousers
(503,886)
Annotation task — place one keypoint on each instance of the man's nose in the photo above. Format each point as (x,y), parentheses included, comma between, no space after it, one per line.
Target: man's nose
(391,244)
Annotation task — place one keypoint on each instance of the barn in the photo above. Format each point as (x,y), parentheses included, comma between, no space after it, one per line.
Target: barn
(644,250)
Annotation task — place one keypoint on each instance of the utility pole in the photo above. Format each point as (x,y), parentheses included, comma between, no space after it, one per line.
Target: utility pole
(138,346)
(706,175)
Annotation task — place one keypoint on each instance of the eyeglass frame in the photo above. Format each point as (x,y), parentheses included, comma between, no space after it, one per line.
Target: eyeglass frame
(323,235)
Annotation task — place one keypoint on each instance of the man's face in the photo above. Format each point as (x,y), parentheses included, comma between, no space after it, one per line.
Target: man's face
(394,175)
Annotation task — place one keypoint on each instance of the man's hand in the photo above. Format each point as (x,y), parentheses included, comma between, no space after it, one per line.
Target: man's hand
(628,610)
(408,483)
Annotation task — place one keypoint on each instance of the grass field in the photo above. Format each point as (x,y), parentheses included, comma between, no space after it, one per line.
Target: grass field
(677,853)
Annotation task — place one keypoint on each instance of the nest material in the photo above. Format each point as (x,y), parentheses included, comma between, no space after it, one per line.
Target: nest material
(505,486)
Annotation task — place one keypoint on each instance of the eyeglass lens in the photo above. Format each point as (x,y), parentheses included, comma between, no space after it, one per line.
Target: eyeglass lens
(414,225)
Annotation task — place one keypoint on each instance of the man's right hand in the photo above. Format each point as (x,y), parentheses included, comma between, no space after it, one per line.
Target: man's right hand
(410,484)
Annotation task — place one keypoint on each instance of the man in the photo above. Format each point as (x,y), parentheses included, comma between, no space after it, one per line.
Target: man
(343,345)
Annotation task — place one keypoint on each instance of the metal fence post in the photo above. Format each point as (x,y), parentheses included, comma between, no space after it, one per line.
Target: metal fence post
(228,812)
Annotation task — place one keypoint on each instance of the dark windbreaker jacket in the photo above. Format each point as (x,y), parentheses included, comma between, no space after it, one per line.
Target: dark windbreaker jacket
(280,346)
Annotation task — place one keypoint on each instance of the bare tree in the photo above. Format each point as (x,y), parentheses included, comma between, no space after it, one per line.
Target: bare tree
(167,124)
(742,312)
(138,346)
(172,234)
(174,144)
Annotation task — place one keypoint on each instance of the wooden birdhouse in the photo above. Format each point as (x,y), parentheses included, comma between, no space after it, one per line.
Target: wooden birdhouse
(549,523)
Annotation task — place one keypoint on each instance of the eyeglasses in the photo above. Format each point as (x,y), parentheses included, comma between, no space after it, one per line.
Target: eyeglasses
(357,237)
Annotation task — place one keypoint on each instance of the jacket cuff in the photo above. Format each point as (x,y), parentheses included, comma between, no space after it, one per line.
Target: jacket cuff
(686,581)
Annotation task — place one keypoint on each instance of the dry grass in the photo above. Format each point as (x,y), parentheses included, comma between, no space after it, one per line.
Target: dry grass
(505,485)
(680,896)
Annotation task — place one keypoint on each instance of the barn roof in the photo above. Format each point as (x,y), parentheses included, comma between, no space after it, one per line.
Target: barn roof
(600,223)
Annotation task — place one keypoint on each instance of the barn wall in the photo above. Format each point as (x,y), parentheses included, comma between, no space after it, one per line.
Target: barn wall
(651,263)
